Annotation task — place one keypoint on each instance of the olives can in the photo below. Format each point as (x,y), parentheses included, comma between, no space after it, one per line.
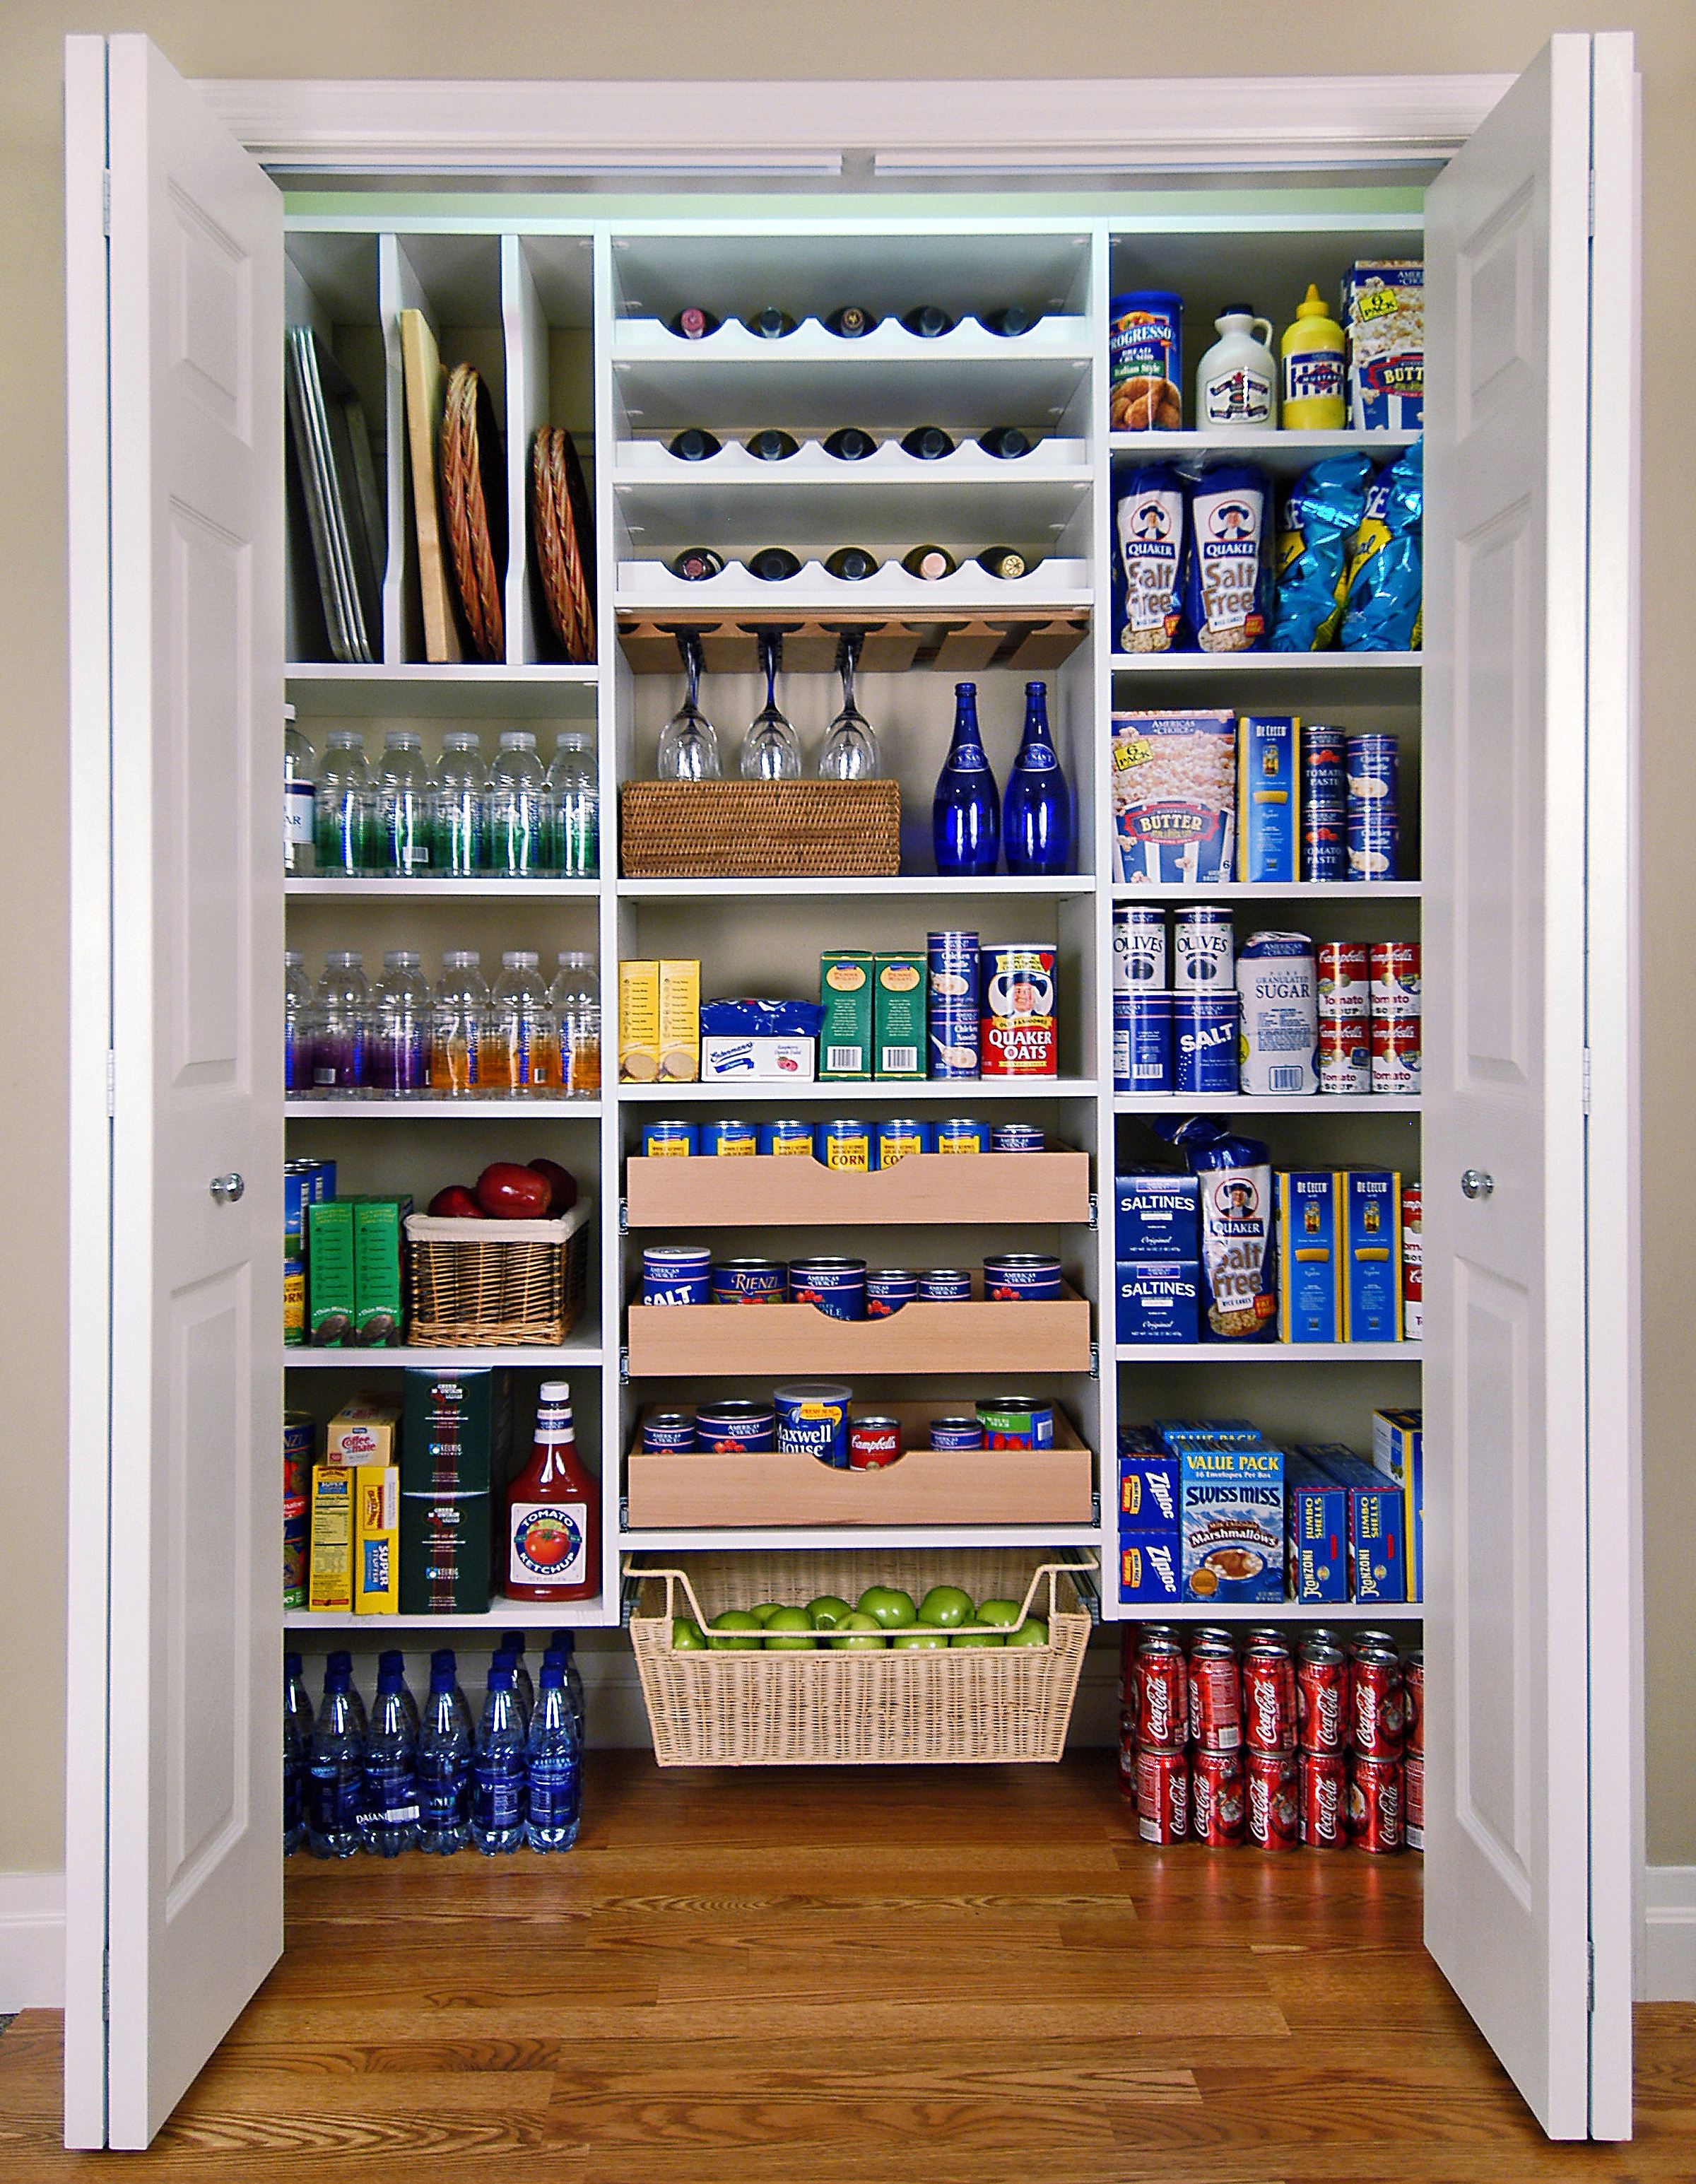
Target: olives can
(887,1289)
(1017,1138)
(962,1134)
(672,1140)
(844,1144)
(677,1273)
(1324,803)
(750,1281)
(956,1433)
(897,1138)
(812,1420)
(1021,1278)
(944,1286)
(873,1444)
(835,1286)
(1204,1043)
(791,1135)
(1139,948)
(735,1428)
(1019,1031)
(1203,946)
(1016,1422)
(667,1432)
(1142,1041)
(731,1136)
(951,1003)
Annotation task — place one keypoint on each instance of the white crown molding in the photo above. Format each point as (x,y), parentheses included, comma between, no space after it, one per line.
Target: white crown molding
(1105,125)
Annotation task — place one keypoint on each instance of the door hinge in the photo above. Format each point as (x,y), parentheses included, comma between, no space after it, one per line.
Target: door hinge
(1586,1080)
(106,202)
(1095,1360)
(623,1368)
(111,1082)
(624,1216)
(1590,1994)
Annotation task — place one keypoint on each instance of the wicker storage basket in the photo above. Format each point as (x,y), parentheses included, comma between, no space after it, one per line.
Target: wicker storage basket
(698,830)
(965,1706)
(488,1284)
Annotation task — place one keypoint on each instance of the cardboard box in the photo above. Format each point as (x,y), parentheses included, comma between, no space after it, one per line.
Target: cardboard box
(1310,1255)
(1399,1452)
(1148,1489)
(785,1061)
(379,1291)
(1372,1256)
(1180,1433)
(329,1575)
(1378,1542)
(680,1019)
(447,1552)
(1316,1523)
(456,1430)
(845,1034)
(1149,1568)
(1269,796)
(897,1037)
(376,1540)
(306,1182)
(1174,781)
(331,1293)
(1231,1523)
(367,1430)
(1383,312)
(1157,1300)
(1156,1217)
(659,1021)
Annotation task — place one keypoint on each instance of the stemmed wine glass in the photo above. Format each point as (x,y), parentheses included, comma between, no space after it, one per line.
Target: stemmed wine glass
(850,747)
(689,743)
(771,749)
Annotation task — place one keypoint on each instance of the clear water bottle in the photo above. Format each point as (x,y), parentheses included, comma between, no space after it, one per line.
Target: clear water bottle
(345,807)
(554,1769)
(296,1023)
(342,1663)
(520,809)
(340,1024)
(458,1017)
(771,749)
(462,808)
(688,743)
(565,1644)
(523,1690)
(336,1768)
(965,817)
(850,746)
(300,793)
(297,1749)
(512,1641)
(521,1044)
(1036,818)
(498,1769)
(399,1050)
(575,998)
(406,806)
(392,1663)
(444,1762)
(389,1812)
(574,780)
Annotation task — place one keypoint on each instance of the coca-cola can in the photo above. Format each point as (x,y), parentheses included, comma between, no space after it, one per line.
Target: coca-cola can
(1272,1800)
(1322,1779)
(1396,1056)
(1162,1796)
(1395,979)
(1413,1704)
(1268,1698)
(1215,1798)
(1375,1805)
(1345,1054)
(1322,1698)
(1413,1802)
(1343,970)
(1162,1695)
(1215,1698)
(1375,1704)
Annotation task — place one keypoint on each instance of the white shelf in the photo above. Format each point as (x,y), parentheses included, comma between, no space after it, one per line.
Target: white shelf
(482,890)
(995,885)
(1250,1103)
(961,1091)
(642,463)
(1321,666)
(307,1359)
(440,691)
(521,1107)
(1272,891)
(1271,1611)
(527,1615)
(812,342)
(862,1535)
(1269,1353)
(1286,454)
(650,588)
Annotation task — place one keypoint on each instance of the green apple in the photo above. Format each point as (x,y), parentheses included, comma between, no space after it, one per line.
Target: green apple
(765,1609)
(1033,1631)
(978,1638)
(1005,1613)
(737,1619)
(889,1607)
(827,1611)
(789,1630)
(918,1639)
(686,1636)
(944,1607)
(858,1634)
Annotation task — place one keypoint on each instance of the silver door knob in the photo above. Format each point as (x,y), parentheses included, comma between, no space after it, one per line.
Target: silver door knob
(1476,1184)
(227,1188)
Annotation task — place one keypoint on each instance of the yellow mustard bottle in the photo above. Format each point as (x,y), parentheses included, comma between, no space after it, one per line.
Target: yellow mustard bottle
(1313,349)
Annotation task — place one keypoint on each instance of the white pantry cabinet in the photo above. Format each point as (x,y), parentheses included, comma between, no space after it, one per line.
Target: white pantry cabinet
(191,624)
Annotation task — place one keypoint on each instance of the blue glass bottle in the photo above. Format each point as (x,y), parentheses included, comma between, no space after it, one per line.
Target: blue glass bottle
(1039,818)
(965,818)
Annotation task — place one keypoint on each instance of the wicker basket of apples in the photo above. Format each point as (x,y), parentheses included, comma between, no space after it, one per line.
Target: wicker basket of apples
(501,1263)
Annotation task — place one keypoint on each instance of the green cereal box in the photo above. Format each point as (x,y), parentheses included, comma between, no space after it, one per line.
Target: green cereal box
(845,1034)
(331,1297)
(378,1243)
(899,1015)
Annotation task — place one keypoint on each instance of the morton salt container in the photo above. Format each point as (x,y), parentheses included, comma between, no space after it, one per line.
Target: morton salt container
(1278,1032)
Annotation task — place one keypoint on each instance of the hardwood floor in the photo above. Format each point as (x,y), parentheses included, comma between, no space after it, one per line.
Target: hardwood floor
(963,1977)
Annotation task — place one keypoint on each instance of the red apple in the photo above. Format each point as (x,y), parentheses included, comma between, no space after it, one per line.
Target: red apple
(456,1203)
(562,1185)
(507,1192)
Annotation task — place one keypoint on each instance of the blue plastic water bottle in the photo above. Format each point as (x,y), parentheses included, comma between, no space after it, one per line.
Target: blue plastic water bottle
(512,1641)
(564,1643)
(444,1763)
(443,1659)
(297,1745)
(392,1663)
(343,1661)
(1038,820)
(506,1658)
(965,818)
(335,1772)
(498,1769)
(388,1805)
(554,1769)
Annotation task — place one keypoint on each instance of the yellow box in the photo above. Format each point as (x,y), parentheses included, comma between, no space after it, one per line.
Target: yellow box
(330,1582)
(364,1431)
(376,1540)
(638,1022)
(680,1021)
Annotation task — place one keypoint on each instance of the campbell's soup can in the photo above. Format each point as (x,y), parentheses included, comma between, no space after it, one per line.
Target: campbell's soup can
(735,1428)
(1345,1056)
(1161,1686)
(667,1432)
(1139,948)
(956,1433)
(1271,1800)
(1204,1042)
(1325,803)
(1322,1784)
(1278,1039)
(1413,1802)
(1322,1698)
(1376,1818)
(1216,1798)
(1413,1262)
(1396,1055)
(1019,1012)
(1344,972)
(1413,1704)
(1216,1699)
(1203,949)
(951,1003)
(1396,983)
(873,1444)
(1268,1698)
(887,1289)
(1375,1704)
(1162,1796)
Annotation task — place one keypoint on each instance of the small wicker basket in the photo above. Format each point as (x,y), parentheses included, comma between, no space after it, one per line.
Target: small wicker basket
(759,829)
(960,1705)
(490,1285)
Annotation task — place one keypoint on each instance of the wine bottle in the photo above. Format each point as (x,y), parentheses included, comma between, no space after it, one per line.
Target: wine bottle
(1006,442)
(695,445)
(853,321)
(695,564)
(1037,819)
(1005,562)
(965,815)
(932,563)
(772,446)
(852,564)
(929,443)
(850,445)
(773,565)
(928,322)
(1012,319)
(771,324)
(694,323)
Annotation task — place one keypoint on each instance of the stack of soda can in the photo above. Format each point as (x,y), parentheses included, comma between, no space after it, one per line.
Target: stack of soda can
(1180,1037)
(1271,1746)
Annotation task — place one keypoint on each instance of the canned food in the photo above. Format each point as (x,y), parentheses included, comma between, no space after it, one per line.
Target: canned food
(294,1302)
(887,1289)
(1344,972)
(1397,1061)
(951,1003)
(962,1134)
(1375,1805)
(845,1144)
(1345,1056)
(750,1281)
(1162,1693)
(296,1526)
(1375,1704)
(1144,337)
(300,1441)
(1271,1798)
(1016,1422)
(812,1420)
(1322,1697)
(1021,1278)
(1322,1781)
(1413,1262)
(1413,1704)
(735,1428)
(944,1286)
(670,1140)
(1325,803)
(667,1432)
(835,1286)
(1017,1138)
(1139,948)
(956,1433)
(1277,1039)
(1203,946)
(1268,1698)
(873,1444)
(1373,816)
(1216,1699)
(677,1273)
(1204,1043)
(1216,1798)
(731,1136)
(1413,1802)
(1162,1796)
(790,1135)
(1142,1041)
(1018,1034)
(894,1139)
(1396,985)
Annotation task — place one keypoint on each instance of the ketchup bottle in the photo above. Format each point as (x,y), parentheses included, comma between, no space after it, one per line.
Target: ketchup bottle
(554,1512)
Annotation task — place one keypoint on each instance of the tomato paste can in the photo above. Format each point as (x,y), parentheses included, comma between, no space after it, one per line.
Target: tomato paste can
(1375,1704)
(1017,1138)
(1322,1698)
(1413,1802)
(677,1273)
(1143,1023)
(1161,1686)
(1215,1698)
(1324,804)
(1376,1818)
(1413,1704)
(1345,1054)
(1268,1698)
(1203,949)
(873,1444)
(670,1138)
(1396,983)
(1022,1277)
(791,1134)
(845,1143)
(812,1420)
(894,1139)
(1216,1798)
(1139,948)
(1016,1422)
(1018,1011)
(962,1134)
(1344,972)
(1396,1055)
(1271,1800)
(749,1281)
(1322,1781)
(956,1433)
(1413,1262)
(835,1286)
(735,1428)
(944,1286)
(734,1136)
(1162,1796)
(667,1432)
(887,1289)
(951,1004)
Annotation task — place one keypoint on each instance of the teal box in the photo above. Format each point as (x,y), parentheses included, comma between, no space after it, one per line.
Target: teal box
(1269,796)
(1372,1256)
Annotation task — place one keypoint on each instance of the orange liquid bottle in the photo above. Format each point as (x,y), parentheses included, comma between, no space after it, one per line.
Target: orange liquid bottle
(554,1512)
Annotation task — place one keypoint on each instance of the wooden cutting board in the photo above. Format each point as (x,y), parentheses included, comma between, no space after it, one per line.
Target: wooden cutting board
(424,381)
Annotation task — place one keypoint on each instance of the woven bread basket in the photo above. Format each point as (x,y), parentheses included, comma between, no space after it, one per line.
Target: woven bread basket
(493,1284)
(760,829)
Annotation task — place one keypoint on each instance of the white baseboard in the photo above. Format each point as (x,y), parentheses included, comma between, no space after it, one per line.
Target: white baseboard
(1667,1967)
(31,1941)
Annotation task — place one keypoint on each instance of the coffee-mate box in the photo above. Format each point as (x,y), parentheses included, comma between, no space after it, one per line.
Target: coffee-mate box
(1310,1255)
(845,1033)
(897,1039)
(1399,1452)
(1317,1521)
(1371,1256)
(1149,1568)
(376,1540)
(1269,796)
(1231,1523)
(329,1572)
(1377,1551)
(366,1430)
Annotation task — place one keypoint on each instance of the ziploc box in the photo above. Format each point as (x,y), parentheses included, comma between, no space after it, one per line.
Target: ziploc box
(330,1294)
(897,1039)
(454,1454)
(329,1568)
(1156,1216)
(1179,1434)
(379,1243)
(1157,1300)
(1377,1556)
(1310,1255)
(1174,797)
(1269,796)
(1149,1568)
(1316,1533)
(1399,1452)
(1231,1524)
(376,1540)
(1372,1256)
(845,996)
(1148,1493)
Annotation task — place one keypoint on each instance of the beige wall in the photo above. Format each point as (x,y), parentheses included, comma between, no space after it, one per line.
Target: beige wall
(751,38)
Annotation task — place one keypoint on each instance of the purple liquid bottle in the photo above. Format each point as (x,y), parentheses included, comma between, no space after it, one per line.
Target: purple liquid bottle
(1037,822)
(340,1018)
(400,1027)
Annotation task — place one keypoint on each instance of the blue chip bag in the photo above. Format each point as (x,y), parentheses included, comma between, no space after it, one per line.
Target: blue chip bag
(748,1017)
(1322,511)
(1227,588)
(1384,584)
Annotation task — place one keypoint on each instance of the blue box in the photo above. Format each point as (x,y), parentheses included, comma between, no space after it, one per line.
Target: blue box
(1317,1518)
(1378,1543)
(1149,1568)
(1140,1441)
(1399,1452)
(1310,1255)
(1148,1494)
(1231,1524)
(1268,797)
(1157,1300)
(1372,1256)
(1156,1217)
(1179,1434)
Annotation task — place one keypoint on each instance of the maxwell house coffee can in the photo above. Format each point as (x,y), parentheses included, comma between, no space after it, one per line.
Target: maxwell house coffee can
(1204,1042)
(812,1420)
(1019,1014)
(951,1003)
